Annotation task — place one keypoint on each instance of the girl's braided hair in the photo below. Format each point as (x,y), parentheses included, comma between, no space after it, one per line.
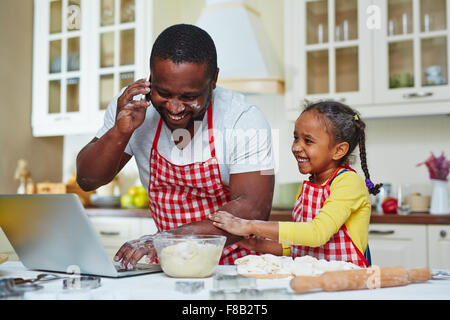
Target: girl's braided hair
(345,125)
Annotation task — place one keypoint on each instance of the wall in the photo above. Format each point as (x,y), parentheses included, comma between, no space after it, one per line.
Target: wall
(396,146)
(44,155)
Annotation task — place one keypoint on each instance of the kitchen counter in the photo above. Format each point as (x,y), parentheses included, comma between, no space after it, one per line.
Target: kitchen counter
(158,286)
(118,212)
(284,214)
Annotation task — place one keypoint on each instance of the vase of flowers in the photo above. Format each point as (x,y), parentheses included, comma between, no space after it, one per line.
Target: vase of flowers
(438,168)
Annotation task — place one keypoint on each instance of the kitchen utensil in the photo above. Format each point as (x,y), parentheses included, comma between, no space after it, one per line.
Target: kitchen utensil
(9,289)
(82,282)
(251,294)
(233,282)
(188,256)
(3,257)
(105,201)
(369,278)
(189,287)
(403,194)
(440,275)
(43,277)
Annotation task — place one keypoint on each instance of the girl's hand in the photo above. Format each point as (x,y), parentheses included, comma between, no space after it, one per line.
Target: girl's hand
(234,225)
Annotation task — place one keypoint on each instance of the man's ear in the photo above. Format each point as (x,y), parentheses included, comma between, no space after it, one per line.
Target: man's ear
(215,79)
(340,150)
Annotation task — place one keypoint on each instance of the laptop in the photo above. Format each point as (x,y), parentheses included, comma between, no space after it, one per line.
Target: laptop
(52,232)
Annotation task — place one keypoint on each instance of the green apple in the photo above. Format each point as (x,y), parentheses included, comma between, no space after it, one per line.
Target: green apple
(141,200)
(126,201)
(133,191)
(142,190)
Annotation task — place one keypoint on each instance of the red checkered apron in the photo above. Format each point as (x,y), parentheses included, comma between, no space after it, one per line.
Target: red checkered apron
(189,193)
(340,246)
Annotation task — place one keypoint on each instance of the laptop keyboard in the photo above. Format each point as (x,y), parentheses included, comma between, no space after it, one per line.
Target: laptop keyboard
(139,266)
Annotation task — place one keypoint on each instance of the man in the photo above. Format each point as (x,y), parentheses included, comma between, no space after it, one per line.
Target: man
(199,149)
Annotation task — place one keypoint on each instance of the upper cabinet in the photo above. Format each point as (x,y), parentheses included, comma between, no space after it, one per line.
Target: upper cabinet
(412,43)
(385,57)
(84,52)
(327,51)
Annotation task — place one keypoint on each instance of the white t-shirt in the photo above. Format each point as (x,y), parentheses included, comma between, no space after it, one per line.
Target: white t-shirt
(242,135)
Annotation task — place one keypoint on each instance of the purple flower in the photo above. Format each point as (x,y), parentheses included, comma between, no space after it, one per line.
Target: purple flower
(438,168)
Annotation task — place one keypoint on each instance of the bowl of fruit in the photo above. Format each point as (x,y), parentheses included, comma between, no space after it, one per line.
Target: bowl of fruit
(136,197)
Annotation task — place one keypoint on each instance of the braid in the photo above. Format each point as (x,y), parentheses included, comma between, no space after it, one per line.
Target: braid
(362,154)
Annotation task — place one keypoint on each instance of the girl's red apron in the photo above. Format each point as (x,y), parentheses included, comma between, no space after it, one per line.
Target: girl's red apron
(340,246)
(189,193)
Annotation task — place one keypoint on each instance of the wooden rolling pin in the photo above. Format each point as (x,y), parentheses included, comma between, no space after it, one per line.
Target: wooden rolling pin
(369,278)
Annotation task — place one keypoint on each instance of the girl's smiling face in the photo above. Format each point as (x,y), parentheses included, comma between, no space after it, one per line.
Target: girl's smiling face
(314,148)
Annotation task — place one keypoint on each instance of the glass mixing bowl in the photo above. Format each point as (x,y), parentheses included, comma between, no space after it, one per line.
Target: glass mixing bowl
(188,256)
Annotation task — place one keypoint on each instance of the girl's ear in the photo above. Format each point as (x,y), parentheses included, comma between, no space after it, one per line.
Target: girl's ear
(340,150)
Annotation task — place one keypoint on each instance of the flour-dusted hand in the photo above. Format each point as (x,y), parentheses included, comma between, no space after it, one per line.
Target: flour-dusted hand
(232,224)
(132,251)
(131,113)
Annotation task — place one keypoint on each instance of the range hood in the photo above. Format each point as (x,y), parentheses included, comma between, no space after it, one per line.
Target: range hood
(245,57)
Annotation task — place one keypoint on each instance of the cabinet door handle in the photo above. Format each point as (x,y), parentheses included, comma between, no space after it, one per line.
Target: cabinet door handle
(109,233)
(381,232)
(417,95)
(443,233)
(341,99)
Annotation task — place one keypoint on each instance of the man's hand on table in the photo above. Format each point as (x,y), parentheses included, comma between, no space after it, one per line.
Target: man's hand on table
(133,251)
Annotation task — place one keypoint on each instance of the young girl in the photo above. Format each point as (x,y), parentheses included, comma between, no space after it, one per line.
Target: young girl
(332,212)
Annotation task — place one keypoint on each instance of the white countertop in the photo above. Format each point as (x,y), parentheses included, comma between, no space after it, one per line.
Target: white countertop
(160,287)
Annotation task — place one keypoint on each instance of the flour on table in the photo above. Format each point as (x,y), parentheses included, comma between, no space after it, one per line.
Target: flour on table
(268,264)
(263,264)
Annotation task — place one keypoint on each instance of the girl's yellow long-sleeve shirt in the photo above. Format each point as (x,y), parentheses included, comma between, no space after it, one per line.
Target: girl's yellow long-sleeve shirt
(348,203)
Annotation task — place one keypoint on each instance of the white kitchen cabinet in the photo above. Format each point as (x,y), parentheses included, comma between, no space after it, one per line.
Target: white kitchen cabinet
(5,247)
(398,245)
(115,231)
(386,58)
(328,52)
(439,246)
(84,52)
(412,52)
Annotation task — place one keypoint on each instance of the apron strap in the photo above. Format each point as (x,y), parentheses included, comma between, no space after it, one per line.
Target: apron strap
(210,131)
(158,132)
(346,168)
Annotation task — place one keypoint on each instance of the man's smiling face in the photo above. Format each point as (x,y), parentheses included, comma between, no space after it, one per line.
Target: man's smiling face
(181,92)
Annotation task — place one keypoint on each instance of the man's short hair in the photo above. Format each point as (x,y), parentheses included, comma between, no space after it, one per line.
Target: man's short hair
(186,43)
